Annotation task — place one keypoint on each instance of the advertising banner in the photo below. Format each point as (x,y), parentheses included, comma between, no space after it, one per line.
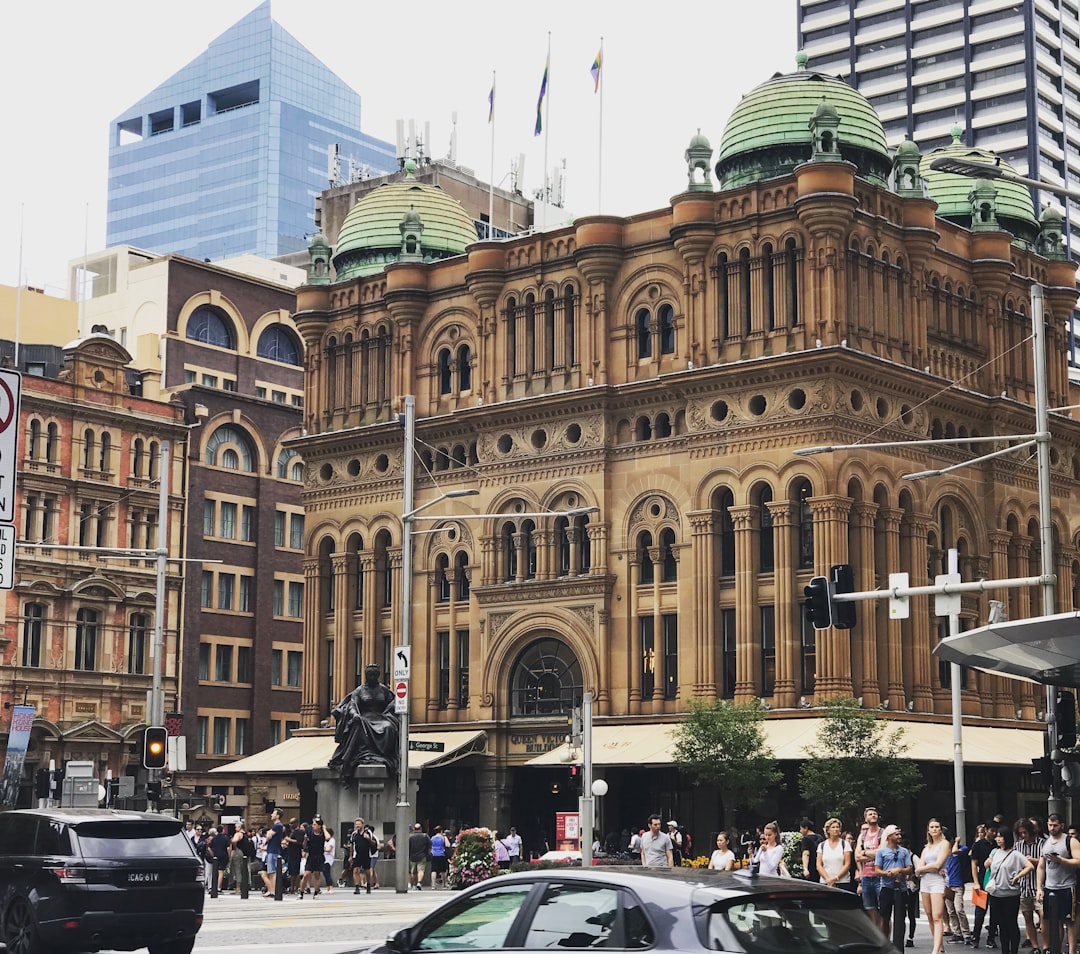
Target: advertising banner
(22,719)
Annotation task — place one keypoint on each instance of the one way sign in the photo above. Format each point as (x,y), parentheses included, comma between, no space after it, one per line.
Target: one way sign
(401,662)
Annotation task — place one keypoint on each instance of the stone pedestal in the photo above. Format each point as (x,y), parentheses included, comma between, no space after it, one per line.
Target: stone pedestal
(371,794)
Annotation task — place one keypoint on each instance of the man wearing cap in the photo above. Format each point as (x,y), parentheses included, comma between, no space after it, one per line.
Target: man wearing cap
(419,850)
(676,843)
(892,865)
(513,845)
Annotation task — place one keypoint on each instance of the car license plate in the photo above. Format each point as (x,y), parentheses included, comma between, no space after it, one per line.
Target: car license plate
(144,877)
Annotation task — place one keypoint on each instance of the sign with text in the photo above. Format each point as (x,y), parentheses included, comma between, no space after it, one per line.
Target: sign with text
(567,831)
(10,395)
(7,556)
(401,697)
(419,745)
(402,656)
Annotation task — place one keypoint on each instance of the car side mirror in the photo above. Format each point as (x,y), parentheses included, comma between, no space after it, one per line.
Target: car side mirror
(399,942)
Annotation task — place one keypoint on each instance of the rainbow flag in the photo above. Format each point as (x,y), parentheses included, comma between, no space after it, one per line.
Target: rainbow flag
(595,69)
(540,98)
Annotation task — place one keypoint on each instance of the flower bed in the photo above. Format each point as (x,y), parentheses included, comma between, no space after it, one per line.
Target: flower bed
(474,859)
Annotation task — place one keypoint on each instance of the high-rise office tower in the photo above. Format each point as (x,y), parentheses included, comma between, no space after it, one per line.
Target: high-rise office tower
(1005,72)
(227,156)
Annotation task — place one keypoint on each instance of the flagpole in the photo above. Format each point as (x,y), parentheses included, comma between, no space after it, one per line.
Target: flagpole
(19,285)
(547,130)
(491,179)
(600,145)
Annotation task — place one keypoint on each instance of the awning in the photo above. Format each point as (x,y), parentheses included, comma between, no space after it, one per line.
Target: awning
(1045,649)
(793,739)
(302,753)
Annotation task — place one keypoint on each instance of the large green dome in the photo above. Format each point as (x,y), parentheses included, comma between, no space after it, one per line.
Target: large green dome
(768,134)
(1013,206)
(371,235)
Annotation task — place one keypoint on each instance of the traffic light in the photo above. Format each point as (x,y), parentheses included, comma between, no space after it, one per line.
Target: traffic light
(576,777)
(1043,769)
(843,578)
(155,747)
(819,602)
(153,791)
(1066,720)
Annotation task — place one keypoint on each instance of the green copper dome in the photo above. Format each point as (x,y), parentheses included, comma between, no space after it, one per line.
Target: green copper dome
(371,238)
(768,134)
(1013,206)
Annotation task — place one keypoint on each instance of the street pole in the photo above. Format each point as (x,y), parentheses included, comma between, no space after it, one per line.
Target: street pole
(157,651)
(959,795)
(585,803)
(401,818)
(1046,527)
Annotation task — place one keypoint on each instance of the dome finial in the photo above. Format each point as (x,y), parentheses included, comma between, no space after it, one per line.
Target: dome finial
(956,132)
(410,168)
(801,59)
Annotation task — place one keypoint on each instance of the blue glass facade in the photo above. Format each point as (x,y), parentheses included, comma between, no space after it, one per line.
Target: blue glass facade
(227,156)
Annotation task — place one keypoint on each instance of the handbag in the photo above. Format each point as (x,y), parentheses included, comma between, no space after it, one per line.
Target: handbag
(978,896)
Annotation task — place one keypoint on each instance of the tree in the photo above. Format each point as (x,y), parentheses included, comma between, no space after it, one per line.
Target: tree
(856,762)
(723,742)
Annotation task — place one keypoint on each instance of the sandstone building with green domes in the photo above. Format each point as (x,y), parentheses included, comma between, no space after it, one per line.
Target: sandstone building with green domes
(807,287)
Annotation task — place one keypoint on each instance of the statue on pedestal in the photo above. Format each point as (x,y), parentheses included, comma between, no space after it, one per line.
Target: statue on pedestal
(367,730)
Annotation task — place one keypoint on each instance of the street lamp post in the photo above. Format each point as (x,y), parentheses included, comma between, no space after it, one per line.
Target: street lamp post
(986,170)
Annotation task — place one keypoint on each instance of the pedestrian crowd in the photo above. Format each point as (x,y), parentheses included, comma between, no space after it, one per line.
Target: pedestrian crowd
(1011,875)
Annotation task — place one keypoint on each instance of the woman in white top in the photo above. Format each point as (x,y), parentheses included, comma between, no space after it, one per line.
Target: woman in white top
(329,849)
(770,854)
(834,858)
(723,859)
(930,868)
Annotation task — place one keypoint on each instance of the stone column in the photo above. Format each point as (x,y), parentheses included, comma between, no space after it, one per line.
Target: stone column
(311,708)
(342,682)
(998,688)
(705,577)
(573,541)
(746,615)
(867,573)
(830,545)
(788,638)
(1030,699)
(634,632)
(598,537)
(917,528)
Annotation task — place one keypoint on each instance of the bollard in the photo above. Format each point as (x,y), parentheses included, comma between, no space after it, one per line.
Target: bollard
(245,878)
(278,877)
(213,878)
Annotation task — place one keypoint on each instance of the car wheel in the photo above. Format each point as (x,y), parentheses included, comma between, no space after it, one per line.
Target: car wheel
(181,946)
(20,928)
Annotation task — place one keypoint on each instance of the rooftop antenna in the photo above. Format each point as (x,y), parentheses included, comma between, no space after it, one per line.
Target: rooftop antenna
(452,155)
(333,163)
(401,156)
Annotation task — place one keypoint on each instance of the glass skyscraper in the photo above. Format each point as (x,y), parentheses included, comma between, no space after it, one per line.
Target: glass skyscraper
(227,156)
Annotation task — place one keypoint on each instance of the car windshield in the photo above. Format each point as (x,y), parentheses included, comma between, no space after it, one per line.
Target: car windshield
(146,841)
(788,923)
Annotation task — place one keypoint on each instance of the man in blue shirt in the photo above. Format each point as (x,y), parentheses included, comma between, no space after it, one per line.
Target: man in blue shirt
(892,865)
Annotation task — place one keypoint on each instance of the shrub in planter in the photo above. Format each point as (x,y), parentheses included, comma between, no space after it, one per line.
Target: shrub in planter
(474,859)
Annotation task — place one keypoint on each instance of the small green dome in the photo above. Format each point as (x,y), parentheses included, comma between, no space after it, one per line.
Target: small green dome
(768,133)
(370,236)
(1013,206)
(698,141)
(907,150)
(1051,217)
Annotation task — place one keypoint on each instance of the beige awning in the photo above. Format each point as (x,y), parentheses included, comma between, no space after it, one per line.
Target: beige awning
(302,753)
(793,739)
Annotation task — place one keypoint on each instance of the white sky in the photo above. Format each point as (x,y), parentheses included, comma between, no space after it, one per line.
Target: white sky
(67,68)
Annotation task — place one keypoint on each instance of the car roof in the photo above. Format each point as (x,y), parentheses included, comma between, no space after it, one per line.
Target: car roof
(77,816)
(725,884)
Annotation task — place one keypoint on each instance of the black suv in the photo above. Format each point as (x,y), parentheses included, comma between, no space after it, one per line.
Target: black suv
(83,879)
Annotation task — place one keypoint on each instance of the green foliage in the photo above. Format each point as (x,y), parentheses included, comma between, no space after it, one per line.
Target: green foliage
(723,742)
(856,762)
(474,858)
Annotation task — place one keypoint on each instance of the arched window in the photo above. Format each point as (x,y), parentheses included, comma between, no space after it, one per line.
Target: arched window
(569,326)
(231,448)
(357,567)
(767,285)
(549,329)
(662,427)
(52,444)
(445,376)
(88,459)
(727,534)
(509,552)
(584,544)
(528,530)
(103,457)
(464,368)
(154,463)
(765,532)
(138,457)
(461,573)
(208,325)
(722,302)
(562,546)
(666,317)
(744,289)
(296,471)
(326,576)
(137,629)
(86,638)
(279,344)
(645,562)
(284,470)
(545,680)
(32,630)
(33,439)
(643,326)
(511,335)
(803,492)
(384,577)
(667,555)
(530,333)
(791,254)
(442,578)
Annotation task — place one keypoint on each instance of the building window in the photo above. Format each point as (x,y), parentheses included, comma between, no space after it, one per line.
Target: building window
(446,383)
(33,624)
(207,599)
(647,635)
(226,589)
(279,344)
(442,578)
(292,672)
(247,524)
(241,737)
(296,599)
(765,532)
(231,448)
(670,624)
(727,653)
(279,529)
(646,574)
(545,680)
(209,521)
(244,602)
(461,575)
(203,727)
(276,658)
(207,325)
(806,526)
(807,653)
(204,661)
(442,655)
(243,664)
(643,327)
(221,735)
(279,598)
(667,555)
(228,520)
(296,531)
(223,663)
(727,535)
(33,440)
(463,668)
(768,650)
(137,626)
(86,636)
(666,315)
